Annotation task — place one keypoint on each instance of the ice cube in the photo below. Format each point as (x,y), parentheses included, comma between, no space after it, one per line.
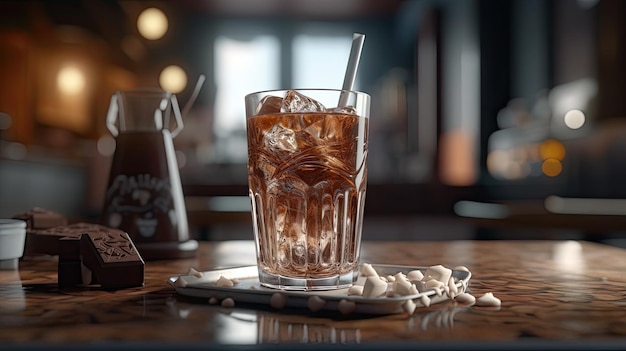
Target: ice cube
(269,104)
(348,110)
(297,102)
(280,139)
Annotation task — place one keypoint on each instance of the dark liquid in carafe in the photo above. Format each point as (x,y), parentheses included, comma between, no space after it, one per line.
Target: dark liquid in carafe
(140,195)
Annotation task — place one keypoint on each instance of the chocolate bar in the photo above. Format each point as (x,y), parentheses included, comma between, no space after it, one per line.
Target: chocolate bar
(46,241)
(69,267)
(41,218)
(112,258)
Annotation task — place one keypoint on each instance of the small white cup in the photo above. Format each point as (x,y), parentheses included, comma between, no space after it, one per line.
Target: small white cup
(12,238)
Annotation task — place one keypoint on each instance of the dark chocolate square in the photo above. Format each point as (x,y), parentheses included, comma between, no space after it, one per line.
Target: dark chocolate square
(113,259)
(41,218)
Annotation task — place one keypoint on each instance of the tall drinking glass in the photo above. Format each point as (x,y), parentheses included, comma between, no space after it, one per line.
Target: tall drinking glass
(307,175)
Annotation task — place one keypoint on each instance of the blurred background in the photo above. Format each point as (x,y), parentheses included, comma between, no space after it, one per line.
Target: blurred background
(490,119)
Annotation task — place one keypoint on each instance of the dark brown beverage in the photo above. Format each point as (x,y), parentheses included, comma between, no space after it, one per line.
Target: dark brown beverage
(307,178)
(144,196)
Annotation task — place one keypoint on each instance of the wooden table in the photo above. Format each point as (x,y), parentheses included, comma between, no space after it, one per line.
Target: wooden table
(555,295)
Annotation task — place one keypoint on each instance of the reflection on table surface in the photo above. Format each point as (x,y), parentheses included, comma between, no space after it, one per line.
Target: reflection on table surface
(555,294)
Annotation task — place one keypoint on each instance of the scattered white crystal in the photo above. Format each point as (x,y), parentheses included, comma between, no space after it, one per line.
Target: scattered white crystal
(391,278)
(367,270)
(465,298)
(415,275)
(193,272)
(433,283)
(488,299)
(425,300)
(400,276)
(224,282)
(403,287)
(315,303)
(356,290)
(409,306)
(374,287)
(453,288)
(438,272)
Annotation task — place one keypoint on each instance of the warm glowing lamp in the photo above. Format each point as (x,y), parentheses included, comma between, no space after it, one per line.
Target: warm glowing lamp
(152,23)
(71,80)
(173,79)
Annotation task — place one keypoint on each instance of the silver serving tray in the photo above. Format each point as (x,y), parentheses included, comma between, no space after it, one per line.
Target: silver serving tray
(249,290)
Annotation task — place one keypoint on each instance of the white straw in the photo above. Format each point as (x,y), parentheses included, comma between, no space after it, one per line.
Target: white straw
(194,95)
(353,65)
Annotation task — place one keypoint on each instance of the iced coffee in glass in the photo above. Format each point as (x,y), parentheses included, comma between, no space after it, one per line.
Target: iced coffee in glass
(307,174)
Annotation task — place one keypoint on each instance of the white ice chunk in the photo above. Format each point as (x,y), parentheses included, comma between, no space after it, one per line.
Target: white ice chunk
(409,306)
(355,290)
(488,299)
(425,300)
(297,102)
(439,273)
(367,270)
(433,283)
(193,272)
(403,287)
(465,298)
(224,282)
(374,287)
(281,139)
(415,275)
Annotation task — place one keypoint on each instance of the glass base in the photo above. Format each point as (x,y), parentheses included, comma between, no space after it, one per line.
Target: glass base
(308,284)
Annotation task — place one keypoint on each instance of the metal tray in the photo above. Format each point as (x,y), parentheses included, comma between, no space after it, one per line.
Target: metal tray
(249,290)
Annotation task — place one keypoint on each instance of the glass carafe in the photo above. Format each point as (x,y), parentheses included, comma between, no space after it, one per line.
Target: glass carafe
(144,194)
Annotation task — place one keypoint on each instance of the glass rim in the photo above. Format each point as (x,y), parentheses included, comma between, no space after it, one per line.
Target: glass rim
(357,92)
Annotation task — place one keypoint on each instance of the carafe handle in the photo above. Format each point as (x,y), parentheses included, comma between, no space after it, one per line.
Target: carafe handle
(112,115)
(177,117)
(112,120)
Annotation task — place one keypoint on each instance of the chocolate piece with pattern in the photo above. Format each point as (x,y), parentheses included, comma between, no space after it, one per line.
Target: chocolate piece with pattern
(112,258)
(41,218)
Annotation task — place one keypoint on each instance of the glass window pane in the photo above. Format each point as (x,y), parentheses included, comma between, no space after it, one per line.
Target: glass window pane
(241,67)
(319,61)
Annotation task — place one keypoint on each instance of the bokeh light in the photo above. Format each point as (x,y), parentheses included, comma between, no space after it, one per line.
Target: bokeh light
(574,119)
(551,167)
(106,145)
(71,80)
(552,149)
(173,79)
(152,23)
